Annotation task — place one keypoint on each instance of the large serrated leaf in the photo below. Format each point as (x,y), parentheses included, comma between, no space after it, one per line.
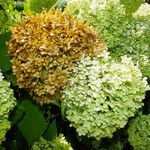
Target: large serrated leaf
(33,124)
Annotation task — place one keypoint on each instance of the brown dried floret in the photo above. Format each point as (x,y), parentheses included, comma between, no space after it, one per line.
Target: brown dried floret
(45,47)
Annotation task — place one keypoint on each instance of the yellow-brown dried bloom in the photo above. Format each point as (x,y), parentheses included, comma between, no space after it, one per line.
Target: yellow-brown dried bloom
(45,47)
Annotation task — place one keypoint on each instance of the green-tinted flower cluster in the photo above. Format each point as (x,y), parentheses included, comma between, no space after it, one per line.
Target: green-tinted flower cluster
(139,132)
(144,10)
(7,103)
(9,16)
(59,143)
(102,95)
(124,35)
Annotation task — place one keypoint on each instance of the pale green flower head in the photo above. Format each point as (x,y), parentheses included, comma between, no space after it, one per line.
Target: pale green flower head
(7,103)
(59,143)
(144,10)
(123,35)
(139,132)
(102,94)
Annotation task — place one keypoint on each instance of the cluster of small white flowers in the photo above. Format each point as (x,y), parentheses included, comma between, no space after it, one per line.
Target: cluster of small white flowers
(144,60)
(123,36)
(102,95)
(93,5)
(139,31)
(78,5)
(144,10)
(1,76)
(59,143)
(63,140)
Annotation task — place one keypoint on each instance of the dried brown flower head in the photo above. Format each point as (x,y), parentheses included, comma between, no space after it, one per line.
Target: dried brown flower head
(45,47)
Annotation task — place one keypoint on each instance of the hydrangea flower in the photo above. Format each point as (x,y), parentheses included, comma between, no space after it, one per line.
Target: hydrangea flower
(45,47)
(139,132)
(7,103)
(102,94)
(144,10)
(123,35)
(59,143)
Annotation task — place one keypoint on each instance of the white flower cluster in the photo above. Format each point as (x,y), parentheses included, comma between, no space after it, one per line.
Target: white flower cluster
(59,143)
(102,94)
(7,103)
(144,10)
(123,35)
(93,7)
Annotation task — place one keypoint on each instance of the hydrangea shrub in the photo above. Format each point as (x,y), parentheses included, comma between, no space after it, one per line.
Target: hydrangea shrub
(102,94)
(123,35)
(139,132)
(7,103)
(45,47)
(59,143)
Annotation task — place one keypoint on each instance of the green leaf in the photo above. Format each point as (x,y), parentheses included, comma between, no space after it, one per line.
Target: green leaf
(19,6)
(37,5)
(33,124)
(132,5)
(146,70)
(5,64)
(51,132)
(63,110)
(2,148)
(57,103)
(1,7)
(60,4)
(17,116)
(11,78)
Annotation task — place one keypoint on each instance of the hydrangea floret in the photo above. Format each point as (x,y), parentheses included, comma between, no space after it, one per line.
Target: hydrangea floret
(102,94)
(59,143)
(45,47)
(139,132)
(7,103)
(123,35)
(144,10)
